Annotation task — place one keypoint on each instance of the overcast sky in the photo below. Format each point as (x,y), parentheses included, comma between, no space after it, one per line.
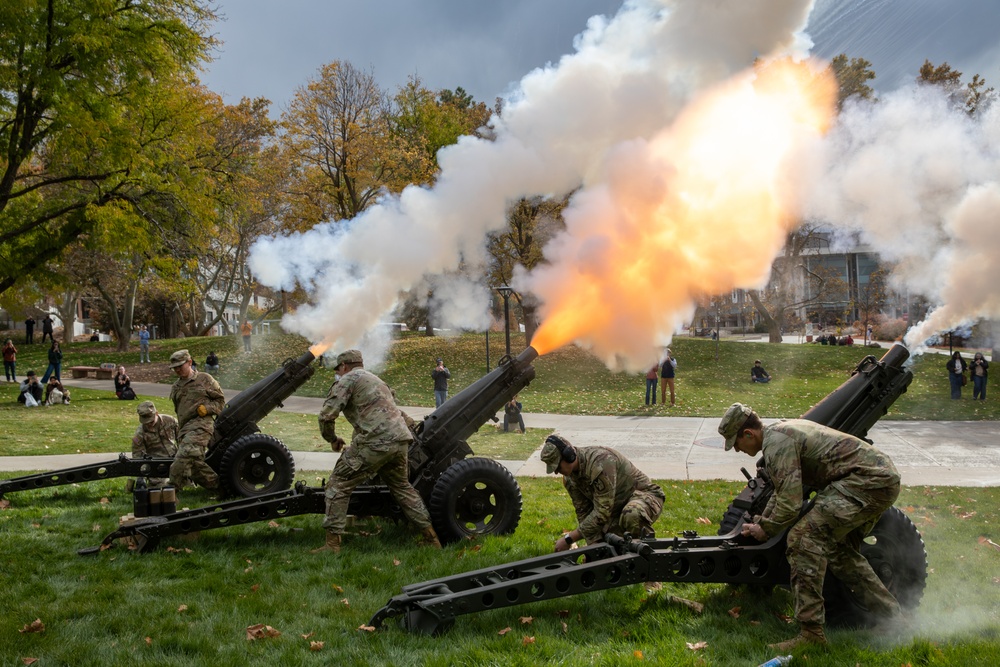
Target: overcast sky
(271,47)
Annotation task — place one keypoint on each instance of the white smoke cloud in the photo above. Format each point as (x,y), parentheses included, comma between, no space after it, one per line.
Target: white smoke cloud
(628,79)
(919,180)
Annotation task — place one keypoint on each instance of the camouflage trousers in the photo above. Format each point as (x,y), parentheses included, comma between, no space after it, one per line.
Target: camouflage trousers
(636,517)
(359,464)
(830,534)
(189,462)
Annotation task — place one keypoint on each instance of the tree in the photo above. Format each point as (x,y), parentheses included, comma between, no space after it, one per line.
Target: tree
(95,110)
(871,299)
(852,78)
(972,98)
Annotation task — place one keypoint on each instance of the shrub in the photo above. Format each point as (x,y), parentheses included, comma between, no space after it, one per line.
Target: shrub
(888,329)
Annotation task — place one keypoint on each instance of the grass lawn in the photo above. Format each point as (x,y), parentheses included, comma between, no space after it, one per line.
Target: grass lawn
(192,603)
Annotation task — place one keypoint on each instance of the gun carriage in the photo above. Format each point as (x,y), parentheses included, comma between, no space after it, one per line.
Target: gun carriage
(894,548)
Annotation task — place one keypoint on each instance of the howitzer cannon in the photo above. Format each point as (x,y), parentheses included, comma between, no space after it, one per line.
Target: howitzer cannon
(465,495)
(894,548)
(248,462)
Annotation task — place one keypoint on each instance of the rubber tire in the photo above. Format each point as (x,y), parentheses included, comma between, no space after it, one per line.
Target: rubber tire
(475,496)
(898,554)
(273,466)
(730,519)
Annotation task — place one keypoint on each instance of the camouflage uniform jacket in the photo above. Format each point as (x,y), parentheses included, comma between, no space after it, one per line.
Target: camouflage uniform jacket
(799,453)
(366,402)
(197,389)
(160,442)
(601,486)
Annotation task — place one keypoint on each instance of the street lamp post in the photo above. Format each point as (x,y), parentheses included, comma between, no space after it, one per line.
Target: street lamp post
(489,323)
(505,292)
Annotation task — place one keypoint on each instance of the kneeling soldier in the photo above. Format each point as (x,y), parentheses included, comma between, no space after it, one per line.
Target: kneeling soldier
(156,437)
(609,494)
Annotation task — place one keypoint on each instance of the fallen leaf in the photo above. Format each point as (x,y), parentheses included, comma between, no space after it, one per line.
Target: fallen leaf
(255,588)
(315,646)
(308,635)
(105,501)
(696,607)
(477,547)
(527,640)
(345,602)
(149,641)
(563,613)
(367,628)
(754,622)
(504,631)
(260,631)
(96,528)
(29,661)
(637,655)
(526,620)
(36,525)
(273,524)
(966,515)
(35,626)
(985,540)
(735,612)
(704,520)
(565,628)
(697,646)
(396,562)
(782,617)
(337,588)
(183,607)
(248,570)
(4,504)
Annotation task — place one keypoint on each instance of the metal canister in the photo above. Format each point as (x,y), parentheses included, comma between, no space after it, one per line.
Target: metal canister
(154,502)
(140,499)
(168,500)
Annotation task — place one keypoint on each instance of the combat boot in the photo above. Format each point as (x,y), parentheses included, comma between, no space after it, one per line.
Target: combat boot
(429,538)
(809,633)
(332,545)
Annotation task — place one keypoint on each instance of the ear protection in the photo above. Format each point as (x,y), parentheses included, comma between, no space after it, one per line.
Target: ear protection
(566,451)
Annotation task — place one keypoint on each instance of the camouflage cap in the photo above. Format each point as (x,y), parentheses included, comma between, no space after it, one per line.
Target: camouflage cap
(179,357)
(349,357)
(731,422)
(551,455)
(147,412)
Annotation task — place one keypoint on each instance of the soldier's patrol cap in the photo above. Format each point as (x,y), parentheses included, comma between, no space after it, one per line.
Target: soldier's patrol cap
(731,422)
(147,411)
(179,357)
(551,455)
(350,357)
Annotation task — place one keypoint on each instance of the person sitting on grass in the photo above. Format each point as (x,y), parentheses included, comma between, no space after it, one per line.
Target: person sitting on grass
(55,392)
(758,374)
(212,362)
(31,391)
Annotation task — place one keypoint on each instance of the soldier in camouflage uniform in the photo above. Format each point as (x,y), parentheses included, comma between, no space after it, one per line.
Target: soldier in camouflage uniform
(380,445)
(609,494)
(156,437)
(854,483)
(197,399)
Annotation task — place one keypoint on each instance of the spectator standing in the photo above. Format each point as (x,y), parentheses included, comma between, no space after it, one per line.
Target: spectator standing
(758,374)
(668,370)
(512,412)
(440,375)
(55,392)
(956,374)
(30,387)
(212,362)
(144,345)
(55,363)
(47,328)
(246,330)
(9,359)
(652,377)
(979,374)
(29,330)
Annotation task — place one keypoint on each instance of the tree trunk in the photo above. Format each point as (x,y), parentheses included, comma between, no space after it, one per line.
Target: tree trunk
(773,323)
(67,313)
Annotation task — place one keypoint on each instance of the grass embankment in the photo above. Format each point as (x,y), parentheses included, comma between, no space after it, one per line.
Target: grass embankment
(192,601)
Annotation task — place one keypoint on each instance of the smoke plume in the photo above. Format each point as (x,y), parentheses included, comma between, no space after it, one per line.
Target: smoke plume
(575,123)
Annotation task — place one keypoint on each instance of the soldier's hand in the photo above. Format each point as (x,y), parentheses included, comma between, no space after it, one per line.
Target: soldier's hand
(755,531)
(561,545)
(202,411)
(338,444)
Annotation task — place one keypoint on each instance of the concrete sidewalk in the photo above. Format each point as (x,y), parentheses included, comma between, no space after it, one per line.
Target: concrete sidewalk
(926,453)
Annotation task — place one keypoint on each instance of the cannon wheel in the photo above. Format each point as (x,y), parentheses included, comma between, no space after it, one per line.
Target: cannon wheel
(475,496)
(256,464)
(896,552)
(732,518)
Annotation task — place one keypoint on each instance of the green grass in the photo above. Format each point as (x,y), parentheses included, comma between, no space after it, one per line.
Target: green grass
(100,610)
(571,381)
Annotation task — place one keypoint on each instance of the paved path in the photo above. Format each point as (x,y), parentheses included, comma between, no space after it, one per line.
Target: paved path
(926,453)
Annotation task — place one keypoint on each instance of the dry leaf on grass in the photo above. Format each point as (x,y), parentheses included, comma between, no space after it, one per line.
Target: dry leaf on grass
(697,646)
(397,562)
(985,540)
(149,641)
(526,620)
(315,646)
(29,661)
(308,635)
(339,589)
(563,613)
(4,504)
(696,607)
(966,515)
(735,612)
(504,631)
(35,626)
(345,602)
(527,640)
(105,501)
(96,528)
(260,631)
(637,655)
(367,628)
(273,524)
(782,617)
(255,588)
(704,520)
(183,607)
(565,628)
(754,622)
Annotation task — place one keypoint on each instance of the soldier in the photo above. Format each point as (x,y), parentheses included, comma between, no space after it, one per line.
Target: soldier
(380,445)
(609,494)
(854,482)
(156,437)
(197,399)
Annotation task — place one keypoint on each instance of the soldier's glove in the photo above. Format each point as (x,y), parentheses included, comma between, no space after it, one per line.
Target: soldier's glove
(338,444)
(202,411)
